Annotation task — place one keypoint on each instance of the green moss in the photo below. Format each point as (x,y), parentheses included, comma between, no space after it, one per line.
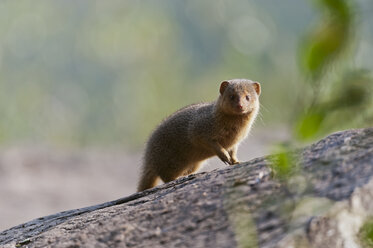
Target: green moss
(366,234)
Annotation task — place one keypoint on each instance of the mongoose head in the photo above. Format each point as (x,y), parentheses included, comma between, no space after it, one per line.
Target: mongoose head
(239,96)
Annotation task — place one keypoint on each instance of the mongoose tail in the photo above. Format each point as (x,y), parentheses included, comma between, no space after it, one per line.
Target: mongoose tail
(148,180)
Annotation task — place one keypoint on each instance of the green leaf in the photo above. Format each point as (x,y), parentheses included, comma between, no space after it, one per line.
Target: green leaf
(309,125)
(282,162)
(329,39)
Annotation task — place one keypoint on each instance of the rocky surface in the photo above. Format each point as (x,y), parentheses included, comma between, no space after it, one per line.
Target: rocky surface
(39,180)
(322,202)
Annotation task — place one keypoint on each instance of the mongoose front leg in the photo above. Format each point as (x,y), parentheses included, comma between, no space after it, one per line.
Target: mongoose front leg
(233,153)
(221,152)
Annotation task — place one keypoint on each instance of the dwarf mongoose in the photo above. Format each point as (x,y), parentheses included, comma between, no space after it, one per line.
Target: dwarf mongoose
(179,145)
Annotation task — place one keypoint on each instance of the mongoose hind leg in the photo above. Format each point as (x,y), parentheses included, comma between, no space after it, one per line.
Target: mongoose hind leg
(192,168)
(174,170)
(168,177)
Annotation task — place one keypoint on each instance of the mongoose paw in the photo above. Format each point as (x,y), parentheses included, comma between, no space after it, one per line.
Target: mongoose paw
(234,161)
(225,159)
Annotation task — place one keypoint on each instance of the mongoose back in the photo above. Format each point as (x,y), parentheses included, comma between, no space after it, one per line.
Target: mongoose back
(179,145)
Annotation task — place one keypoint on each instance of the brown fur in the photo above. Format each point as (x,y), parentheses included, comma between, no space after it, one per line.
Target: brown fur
(180,144)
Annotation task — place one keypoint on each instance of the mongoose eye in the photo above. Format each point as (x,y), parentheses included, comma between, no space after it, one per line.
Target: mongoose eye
(232,97)
(248,97)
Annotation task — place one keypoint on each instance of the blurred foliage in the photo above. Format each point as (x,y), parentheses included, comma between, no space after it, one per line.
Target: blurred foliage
(106,72)
(282,162)
(326,42)
(335,94)
(366,234)
(337,110)
(101,73)
(332,106)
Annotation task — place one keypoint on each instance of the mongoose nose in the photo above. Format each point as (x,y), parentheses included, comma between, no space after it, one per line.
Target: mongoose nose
(239,106)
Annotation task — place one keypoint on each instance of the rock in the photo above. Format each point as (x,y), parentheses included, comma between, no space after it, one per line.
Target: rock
(324,202)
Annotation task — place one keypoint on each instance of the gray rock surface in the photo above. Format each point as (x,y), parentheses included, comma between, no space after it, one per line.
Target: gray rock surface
(324,201)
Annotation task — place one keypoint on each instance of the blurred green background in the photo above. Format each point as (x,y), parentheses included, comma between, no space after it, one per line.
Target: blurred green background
(104,73)
(83,83)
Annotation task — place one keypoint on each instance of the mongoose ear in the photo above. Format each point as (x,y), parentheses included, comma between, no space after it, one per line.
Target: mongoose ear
(257,87)
(223,86)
